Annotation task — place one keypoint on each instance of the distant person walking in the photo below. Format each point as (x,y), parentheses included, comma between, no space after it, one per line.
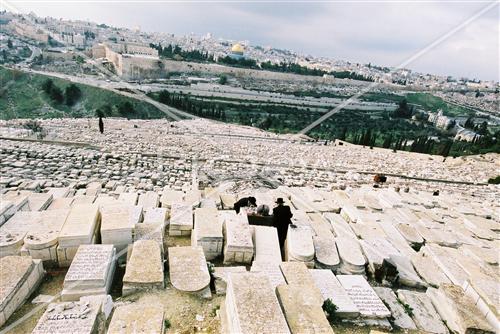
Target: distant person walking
(281,220)
(245,202)
(101,125)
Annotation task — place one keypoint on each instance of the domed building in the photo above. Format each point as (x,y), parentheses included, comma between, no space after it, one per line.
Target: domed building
(237,51)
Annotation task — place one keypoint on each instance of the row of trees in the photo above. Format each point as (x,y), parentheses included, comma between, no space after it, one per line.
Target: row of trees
(69,96)
(176,52)
(481,128)
(198,108)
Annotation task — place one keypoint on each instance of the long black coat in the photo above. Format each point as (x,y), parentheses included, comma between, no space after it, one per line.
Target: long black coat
(281,219)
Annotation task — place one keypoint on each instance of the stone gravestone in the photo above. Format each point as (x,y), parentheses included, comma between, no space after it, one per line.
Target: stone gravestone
(80,228)
(267,247)
(80,317)
(90,273)
(363,296)
(400,318)
(299,245)
(148,200)
(331,289)
(117,224)
(351,256)
(207,232)
(302,315)
(19,278)
(137,318)
(459,310)
(296,273)
(238,246)
(188,270)
(424,314)
(271,270)
(181,219)
(170,196)
(221,275)
(144,268)
(251,305)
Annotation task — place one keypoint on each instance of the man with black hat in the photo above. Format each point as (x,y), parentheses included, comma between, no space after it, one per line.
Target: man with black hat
(245,202)
(281,220)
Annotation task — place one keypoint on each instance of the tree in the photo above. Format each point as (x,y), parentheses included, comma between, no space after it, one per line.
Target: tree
(9,44)
(222,79)
(56,94)
(403,110)
(47,86)
(73,94)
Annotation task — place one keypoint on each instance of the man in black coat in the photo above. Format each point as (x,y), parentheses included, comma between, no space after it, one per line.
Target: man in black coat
(245,202)
(281,220)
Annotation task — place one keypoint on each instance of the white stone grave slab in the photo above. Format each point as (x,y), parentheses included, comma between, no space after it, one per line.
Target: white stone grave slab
(352,260)
(331,289)
(188,269)
(181,219)
(299,244)
(148,200)
(302,315)
(458,310)
(252,306)
(424,314)
(90,273)
(267,247)
(207,232)
(363,296)
(271,270)
(19,278)
(137,318)
(400,318)
(144,268)
(238,246)
(169,196)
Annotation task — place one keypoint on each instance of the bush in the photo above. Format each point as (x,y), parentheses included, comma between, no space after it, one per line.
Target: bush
(331,310)
(494,180)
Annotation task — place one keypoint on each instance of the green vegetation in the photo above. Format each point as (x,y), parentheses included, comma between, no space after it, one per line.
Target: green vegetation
(222,79)
(408,309)
(177,53)
(331,310)
(27,95)
(494,180)
(167,324)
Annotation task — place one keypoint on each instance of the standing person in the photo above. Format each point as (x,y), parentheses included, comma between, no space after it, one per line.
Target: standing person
(281,220)
(101,125)
(245,202)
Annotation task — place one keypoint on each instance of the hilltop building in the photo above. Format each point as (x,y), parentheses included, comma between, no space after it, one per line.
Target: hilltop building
(439,120)
(131,61)
(237,51)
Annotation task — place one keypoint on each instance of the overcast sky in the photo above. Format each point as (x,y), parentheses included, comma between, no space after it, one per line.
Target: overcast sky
(383,33)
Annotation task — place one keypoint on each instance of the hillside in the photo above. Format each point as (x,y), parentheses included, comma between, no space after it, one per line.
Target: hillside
(22,96)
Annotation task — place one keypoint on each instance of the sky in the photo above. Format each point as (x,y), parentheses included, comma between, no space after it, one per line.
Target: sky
(385,33)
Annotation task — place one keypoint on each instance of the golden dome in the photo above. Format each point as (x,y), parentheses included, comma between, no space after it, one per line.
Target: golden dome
(237,48)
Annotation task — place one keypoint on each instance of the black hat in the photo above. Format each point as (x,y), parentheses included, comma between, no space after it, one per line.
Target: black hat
(280,201)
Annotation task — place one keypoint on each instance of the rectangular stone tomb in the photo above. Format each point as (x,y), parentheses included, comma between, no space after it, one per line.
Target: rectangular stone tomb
(145,268)
(19,278)
(221,275)
(399,315)
(423,313)
(238,246)
(117,224)
(271,270)
(82,317)
(170,196)
(252,306)
(181,219)
(363,296)
(207,232)
(149,199)
(302,315)
(137,318)
(459,310)
(155,216)
(39,201)
(80,226)
(91,272)
(331,288)
(128,198)
(267,246)
(296,273)
(188,270)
